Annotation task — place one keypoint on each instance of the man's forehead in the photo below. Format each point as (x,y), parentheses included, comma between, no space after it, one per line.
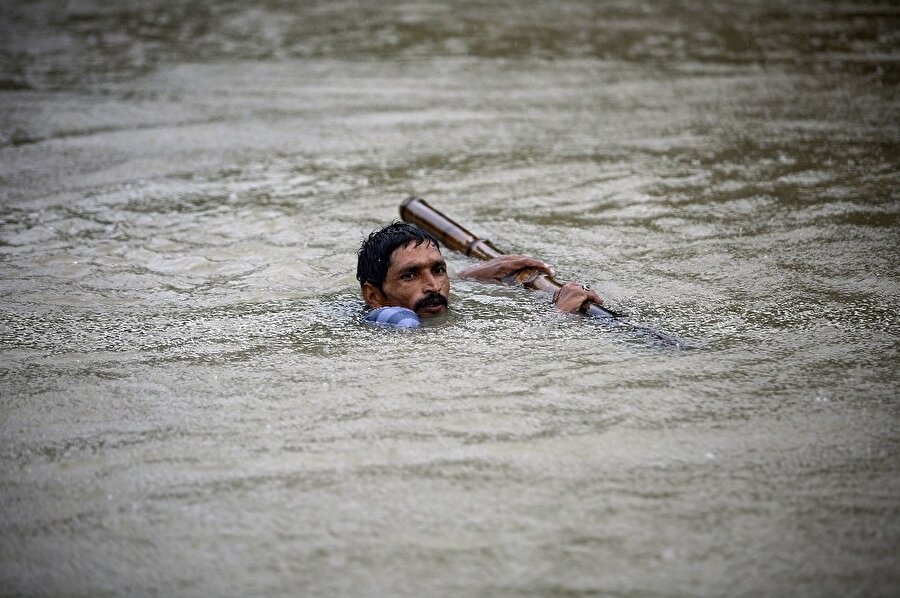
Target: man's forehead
(424,251)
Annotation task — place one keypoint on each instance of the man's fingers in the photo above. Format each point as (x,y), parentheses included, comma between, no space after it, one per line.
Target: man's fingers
(539,265)
(515,263)
(574,297)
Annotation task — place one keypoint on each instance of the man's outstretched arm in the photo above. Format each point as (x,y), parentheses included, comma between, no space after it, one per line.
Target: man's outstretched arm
(570,298)
(506,265)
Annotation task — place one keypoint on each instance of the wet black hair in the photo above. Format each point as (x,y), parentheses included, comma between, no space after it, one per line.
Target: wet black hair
(374,254)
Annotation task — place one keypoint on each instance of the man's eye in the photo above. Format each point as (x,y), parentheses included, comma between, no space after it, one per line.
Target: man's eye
(407,275)
(439,269)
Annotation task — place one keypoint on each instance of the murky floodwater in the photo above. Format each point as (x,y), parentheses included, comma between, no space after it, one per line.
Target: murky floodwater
(190,406)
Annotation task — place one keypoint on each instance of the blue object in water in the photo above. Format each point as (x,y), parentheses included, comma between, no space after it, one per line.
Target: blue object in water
(399,317)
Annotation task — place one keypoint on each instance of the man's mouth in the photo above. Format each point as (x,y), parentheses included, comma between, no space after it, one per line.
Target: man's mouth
(432,303)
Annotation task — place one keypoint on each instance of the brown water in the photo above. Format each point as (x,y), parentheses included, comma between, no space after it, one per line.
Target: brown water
(190,406)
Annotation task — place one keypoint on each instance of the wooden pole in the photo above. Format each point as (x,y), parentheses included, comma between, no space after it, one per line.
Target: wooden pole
(416,210)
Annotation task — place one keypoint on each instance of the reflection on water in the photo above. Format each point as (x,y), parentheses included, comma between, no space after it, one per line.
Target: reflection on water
(191,405)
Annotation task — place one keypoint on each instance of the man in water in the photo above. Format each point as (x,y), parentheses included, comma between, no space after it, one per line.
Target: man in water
(403,276)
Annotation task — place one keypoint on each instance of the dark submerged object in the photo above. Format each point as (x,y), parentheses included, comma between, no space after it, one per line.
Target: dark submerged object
(416,210)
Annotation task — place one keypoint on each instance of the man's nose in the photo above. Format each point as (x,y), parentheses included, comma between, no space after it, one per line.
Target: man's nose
(431,282)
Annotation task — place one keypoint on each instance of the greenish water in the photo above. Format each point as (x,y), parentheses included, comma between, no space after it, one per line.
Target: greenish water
(189,406)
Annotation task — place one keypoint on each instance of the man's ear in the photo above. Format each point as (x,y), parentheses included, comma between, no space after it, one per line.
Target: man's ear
(372,295)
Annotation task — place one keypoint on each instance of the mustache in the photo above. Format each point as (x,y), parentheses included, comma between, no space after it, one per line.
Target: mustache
(430,300)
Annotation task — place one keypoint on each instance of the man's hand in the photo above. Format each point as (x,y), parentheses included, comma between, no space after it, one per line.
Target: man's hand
(572,297)
(506,265)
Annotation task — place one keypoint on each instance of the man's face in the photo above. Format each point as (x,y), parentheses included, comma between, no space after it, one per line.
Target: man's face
(416,278)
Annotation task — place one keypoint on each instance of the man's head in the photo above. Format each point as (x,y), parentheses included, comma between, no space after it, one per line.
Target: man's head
(401,265)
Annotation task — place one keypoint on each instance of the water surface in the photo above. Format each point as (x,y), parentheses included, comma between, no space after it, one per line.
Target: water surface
(191,407)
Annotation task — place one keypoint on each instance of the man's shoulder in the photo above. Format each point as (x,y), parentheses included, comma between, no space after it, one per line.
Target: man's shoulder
(399,317)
